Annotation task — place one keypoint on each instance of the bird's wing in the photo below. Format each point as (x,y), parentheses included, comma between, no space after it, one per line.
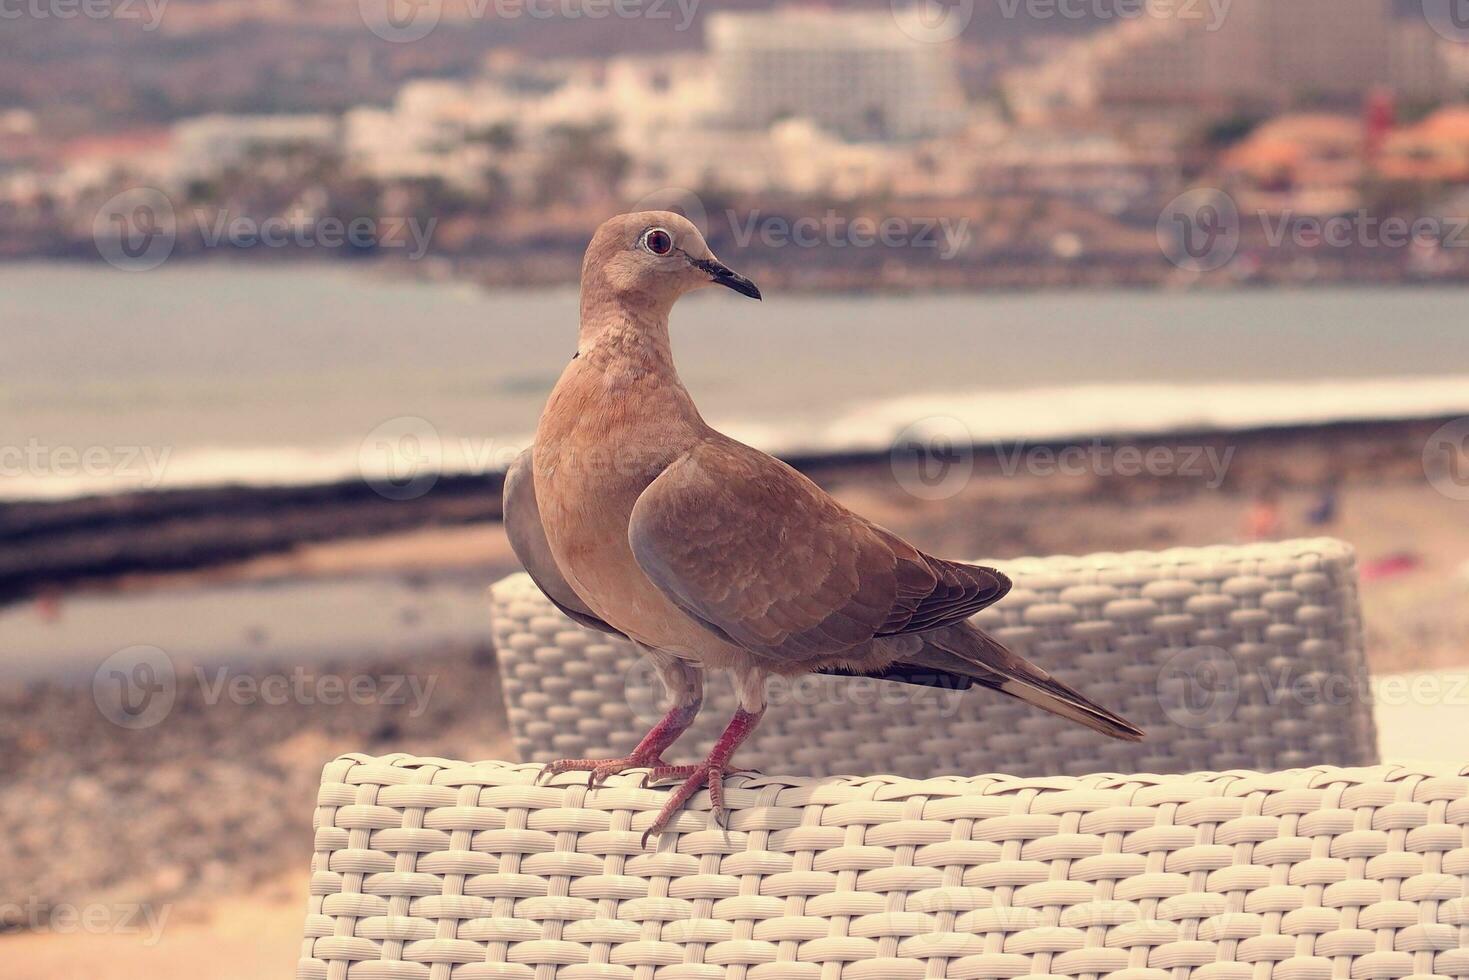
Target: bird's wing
(768,560)
(522,518)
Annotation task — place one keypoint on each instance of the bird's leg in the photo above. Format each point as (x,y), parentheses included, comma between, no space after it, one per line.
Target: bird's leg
(685,686)
(647,755)
(711,771)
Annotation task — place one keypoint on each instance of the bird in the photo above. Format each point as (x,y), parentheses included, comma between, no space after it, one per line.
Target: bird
(638,519)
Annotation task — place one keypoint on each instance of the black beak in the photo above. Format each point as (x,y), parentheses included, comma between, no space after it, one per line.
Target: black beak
(726,276)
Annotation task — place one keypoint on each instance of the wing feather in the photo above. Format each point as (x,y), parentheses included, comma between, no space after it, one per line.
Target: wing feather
(768,560)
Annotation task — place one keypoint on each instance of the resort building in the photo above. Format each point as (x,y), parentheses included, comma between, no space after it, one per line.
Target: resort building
(206,145)
(857,75)
(1263,54)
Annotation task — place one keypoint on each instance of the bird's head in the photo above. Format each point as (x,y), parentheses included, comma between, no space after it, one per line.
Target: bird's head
(654,257)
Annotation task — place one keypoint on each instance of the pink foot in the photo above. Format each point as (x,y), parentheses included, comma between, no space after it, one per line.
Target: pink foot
(695,778)
(601,769)
(710,773)
(648,754)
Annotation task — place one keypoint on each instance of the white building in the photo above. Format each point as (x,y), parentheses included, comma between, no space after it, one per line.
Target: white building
(433,130)
(206,145)
(1095,168)
(668,114)
(792,157)
(456,131)
(858,75)
(1263,52)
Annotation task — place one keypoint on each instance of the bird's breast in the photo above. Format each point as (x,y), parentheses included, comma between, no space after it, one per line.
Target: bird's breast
(593,460)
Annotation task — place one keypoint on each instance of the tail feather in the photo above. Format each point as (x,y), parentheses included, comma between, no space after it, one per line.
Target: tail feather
(967,650)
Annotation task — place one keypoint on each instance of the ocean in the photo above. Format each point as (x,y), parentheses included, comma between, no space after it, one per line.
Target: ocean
(197,375)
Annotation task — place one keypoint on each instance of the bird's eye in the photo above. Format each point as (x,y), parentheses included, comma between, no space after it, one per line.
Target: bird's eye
(658,241)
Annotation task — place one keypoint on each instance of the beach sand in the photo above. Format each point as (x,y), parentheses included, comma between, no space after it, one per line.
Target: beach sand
(208,813)
(246,937)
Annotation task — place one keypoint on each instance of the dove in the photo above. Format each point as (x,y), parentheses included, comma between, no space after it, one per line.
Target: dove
(637,518)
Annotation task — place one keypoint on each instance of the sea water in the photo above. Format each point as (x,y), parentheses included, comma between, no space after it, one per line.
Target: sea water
(206,374)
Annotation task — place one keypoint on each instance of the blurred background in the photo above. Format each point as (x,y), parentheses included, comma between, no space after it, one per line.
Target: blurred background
(283,287)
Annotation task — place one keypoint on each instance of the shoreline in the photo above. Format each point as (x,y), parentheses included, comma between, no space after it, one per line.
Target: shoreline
(860,282)
(1144,271)
(55,546)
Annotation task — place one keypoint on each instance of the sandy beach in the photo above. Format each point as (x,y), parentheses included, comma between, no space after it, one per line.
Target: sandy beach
(245,937)
(203,819)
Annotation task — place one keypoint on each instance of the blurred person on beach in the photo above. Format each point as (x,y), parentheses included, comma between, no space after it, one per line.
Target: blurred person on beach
(1325,510)
(1262,520)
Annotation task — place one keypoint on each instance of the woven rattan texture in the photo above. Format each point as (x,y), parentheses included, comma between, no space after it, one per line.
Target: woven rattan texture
(427,869)
(1244,657)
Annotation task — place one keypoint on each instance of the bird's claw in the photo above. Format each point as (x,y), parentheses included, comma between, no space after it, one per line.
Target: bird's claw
(661,774)
(705,774)
(607,770)
(600,770)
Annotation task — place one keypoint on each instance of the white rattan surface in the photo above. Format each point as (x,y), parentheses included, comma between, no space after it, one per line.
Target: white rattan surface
(1230,657)
(427,869)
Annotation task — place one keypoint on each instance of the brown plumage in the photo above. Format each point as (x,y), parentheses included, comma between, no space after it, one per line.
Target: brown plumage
(636,517)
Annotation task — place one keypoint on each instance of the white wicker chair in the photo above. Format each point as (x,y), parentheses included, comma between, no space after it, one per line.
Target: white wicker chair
(427,869)
(1231,657)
